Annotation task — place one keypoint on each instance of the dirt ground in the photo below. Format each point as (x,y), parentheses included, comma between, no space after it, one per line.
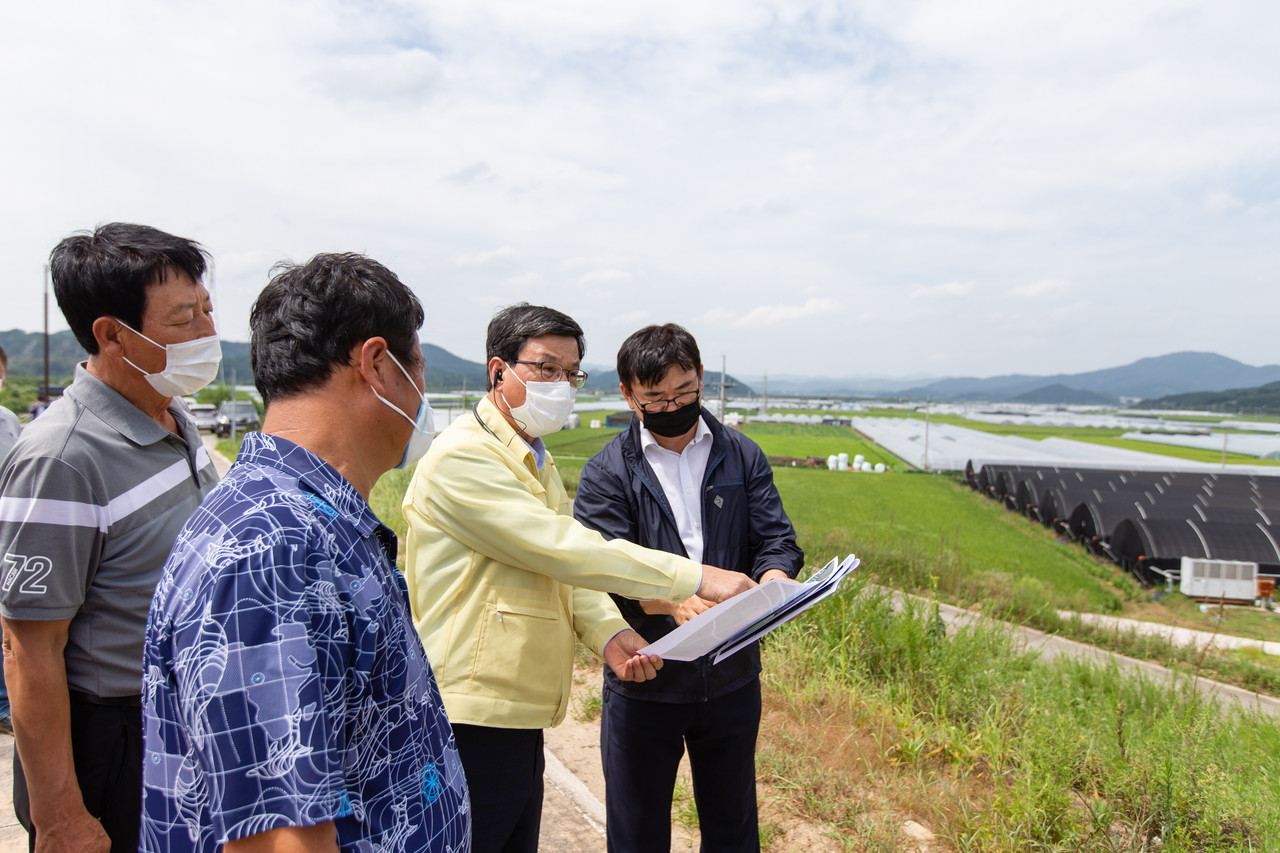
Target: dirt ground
(575,743)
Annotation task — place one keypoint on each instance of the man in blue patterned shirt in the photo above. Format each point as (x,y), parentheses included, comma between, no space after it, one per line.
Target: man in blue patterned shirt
(288,703)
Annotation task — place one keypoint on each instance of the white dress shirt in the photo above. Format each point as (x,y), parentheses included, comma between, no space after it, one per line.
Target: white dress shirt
(680,475)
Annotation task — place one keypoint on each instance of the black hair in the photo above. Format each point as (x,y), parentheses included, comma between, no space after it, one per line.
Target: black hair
(646,356)
(511,327)
(309,316)
(106,273)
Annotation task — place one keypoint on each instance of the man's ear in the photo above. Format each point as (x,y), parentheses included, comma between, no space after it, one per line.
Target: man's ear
(494,367)
(626,395)
(368,360)
(106,331)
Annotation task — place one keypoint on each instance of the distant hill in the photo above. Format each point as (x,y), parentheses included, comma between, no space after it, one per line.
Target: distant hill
(443,370)
(1176,373)
(1264,400)
(1062,395)
(26,354)
(1146,379)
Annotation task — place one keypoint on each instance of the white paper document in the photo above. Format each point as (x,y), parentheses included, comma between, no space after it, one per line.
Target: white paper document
(745,618)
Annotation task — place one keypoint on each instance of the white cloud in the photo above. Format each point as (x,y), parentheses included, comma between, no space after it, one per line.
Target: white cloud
(946,290)
(599,277)
(782,153)
(771,315)
(480,259)
(1222,202)
(528,279)
(1042,289)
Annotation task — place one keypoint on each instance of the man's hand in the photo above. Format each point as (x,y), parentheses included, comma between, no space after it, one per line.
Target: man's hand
(775,575)
(721,585)
(689,608)
(74,832)
(35,663)
(620,654)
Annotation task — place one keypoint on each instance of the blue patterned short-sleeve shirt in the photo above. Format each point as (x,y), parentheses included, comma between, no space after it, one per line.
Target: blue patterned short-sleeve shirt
(284,683)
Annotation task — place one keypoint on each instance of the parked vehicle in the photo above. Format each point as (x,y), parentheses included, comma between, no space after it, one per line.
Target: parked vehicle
(243,412)
(205,415)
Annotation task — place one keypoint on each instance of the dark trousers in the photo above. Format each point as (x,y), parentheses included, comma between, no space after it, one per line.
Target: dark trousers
(106,743)
(504,775)
(641,744)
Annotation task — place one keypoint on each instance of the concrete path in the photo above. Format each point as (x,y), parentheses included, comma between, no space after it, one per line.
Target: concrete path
(13,838)
(1175,635)
(1050,647)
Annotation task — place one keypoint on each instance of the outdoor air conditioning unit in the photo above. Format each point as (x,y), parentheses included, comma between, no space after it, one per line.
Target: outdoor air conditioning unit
(1231,579)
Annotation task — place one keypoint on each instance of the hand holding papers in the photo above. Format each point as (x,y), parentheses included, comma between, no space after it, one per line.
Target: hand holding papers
(745,618)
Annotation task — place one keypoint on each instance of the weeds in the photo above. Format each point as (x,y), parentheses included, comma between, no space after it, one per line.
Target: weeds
(684,811)
(588,704)
(1005,751)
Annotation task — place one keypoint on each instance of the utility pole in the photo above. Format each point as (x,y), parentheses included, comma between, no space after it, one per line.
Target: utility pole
(765,410)
(724,383)
(45,393)
(926,435)
(233,407)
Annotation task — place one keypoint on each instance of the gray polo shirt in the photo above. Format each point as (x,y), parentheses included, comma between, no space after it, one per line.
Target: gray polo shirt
(9,431)
(91,500)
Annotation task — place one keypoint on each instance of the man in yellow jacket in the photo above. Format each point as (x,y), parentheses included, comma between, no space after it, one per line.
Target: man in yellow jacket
(503,579)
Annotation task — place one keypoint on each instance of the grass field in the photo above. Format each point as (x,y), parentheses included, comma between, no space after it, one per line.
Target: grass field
(872,714)
(912,528)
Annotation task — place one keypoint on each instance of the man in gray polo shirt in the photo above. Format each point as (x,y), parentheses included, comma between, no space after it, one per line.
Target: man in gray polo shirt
(91,500)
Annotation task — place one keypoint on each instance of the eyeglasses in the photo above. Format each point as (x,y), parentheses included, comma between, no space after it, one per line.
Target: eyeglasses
(552,372)
(652,407)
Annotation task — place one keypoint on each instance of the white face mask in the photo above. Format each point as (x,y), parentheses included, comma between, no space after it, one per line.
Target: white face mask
(424,426)
(188,366)
(546,406)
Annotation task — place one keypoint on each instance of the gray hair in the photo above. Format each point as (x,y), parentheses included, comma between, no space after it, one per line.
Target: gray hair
(511,327)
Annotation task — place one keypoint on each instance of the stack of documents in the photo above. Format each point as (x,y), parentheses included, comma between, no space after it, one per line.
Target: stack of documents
(745,618)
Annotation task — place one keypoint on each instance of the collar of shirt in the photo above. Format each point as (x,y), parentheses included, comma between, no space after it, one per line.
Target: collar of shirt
(647,441)
(680,475)
(315,474)
(493,422)
(118,413)
(539,448)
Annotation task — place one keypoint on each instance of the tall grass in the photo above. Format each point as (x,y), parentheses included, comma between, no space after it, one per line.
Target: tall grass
(998,750)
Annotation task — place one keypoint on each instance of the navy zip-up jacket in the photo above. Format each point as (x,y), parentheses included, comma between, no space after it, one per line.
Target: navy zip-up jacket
(744,529)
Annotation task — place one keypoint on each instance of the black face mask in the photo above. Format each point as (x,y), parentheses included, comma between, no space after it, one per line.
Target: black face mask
(673,423)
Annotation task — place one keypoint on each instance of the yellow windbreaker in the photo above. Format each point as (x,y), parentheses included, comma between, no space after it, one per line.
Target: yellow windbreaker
(502,577)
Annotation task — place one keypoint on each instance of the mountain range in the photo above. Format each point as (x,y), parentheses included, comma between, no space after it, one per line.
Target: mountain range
(1145,379)
(442,370)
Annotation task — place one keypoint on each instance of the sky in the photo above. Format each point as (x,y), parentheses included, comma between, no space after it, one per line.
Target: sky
(900,189)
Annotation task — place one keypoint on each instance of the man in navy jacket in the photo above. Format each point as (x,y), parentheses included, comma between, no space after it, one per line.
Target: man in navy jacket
(677,480)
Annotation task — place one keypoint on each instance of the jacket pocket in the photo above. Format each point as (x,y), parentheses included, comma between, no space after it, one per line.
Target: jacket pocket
(525,644)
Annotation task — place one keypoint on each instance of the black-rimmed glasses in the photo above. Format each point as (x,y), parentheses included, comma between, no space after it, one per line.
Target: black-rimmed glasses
(652,407)
(552,372)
